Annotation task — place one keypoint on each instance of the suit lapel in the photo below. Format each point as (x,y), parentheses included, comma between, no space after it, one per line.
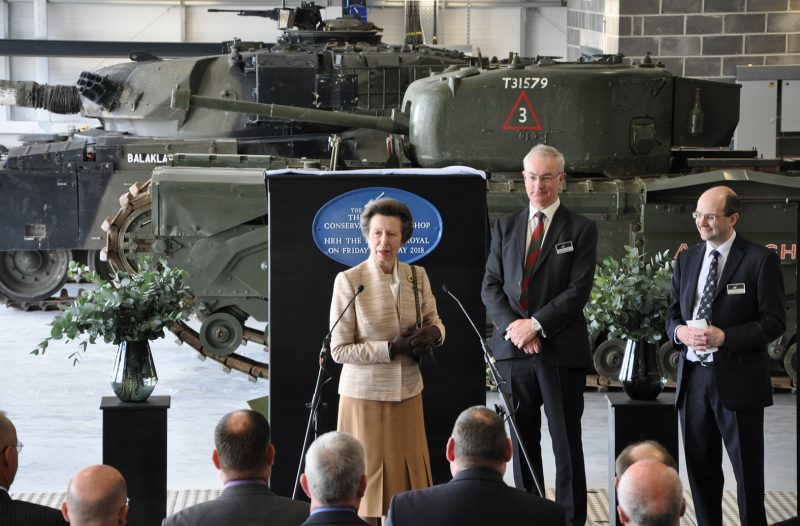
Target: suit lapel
(557,224)
(521,239)
(381,299)
(693,264)
(734,259)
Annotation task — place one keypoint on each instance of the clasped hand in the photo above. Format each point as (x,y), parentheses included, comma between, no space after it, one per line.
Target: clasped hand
(701,339)
(414,342)
(524,336)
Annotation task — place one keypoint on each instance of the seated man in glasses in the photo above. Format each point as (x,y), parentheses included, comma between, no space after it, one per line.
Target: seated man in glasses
(96,496)
(17,512)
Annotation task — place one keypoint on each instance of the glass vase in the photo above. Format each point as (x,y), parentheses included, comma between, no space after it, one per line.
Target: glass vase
(642,375)
(134,377)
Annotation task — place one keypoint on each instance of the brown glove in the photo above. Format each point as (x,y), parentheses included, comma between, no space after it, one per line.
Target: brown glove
(425,338)
(402,343)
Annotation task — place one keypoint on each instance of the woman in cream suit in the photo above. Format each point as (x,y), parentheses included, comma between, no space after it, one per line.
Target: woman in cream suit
(379,344)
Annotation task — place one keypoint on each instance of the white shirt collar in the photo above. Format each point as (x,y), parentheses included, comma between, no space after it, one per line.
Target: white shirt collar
(548,212)
(724,249)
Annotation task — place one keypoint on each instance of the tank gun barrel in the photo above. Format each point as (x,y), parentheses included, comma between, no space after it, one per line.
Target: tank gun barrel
(29,94)
(183,100)
(269,13)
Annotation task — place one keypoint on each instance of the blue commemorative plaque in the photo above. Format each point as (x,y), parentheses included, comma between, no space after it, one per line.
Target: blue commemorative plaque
(337,232)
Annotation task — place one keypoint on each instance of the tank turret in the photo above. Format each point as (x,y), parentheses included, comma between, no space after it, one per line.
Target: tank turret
(489,119)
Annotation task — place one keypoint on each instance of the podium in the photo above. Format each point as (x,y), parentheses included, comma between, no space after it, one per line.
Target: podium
(301,277)
(631,421)
(135,442)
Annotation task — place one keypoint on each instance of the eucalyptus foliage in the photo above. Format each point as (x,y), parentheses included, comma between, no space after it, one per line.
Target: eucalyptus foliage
(629,297)
(135,307)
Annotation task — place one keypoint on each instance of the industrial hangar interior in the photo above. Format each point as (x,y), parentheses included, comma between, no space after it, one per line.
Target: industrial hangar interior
(99,94)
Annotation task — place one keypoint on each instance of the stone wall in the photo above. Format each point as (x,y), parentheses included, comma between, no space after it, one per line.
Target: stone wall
(695,38)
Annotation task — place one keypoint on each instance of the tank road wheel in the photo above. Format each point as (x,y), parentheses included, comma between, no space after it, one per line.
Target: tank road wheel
(130,231)
(221,333)
(790,361)
(608,358)
(669,356)
(33,275)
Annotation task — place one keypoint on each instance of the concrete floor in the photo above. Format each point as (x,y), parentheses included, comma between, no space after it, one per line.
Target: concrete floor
(55,407)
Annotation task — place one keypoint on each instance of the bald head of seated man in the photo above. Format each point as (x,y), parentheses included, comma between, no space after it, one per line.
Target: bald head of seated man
(650,494)
(96,496)
(640,451)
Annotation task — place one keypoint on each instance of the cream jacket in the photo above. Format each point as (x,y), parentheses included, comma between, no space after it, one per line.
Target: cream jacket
(361,340)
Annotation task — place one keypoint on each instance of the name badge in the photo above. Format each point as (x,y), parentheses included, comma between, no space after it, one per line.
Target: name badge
(736,288)
(563,248)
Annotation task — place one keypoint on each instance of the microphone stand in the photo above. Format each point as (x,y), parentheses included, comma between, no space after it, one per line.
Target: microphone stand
(323,377)
(507,412)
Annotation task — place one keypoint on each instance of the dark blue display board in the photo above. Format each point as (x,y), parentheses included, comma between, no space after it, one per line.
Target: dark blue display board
(301,279)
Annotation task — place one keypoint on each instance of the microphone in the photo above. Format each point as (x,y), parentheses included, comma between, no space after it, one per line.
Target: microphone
(467,316)
(507,403)
(326,342)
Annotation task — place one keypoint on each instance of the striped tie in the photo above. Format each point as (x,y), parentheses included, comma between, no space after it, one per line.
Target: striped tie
(704,312)
(530,259)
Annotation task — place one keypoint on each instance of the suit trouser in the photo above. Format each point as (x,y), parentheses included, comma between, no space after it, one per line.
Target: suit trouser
(706,424)
(533,384)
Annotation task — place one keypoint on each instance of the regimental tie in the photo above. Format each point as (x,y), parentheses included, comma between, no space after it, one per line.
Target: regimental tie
(704,311)
(534,250)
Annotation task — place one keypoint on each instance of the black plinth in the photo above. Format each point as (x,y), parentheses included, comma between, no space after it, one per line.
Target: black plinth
(135,442)
(632,421)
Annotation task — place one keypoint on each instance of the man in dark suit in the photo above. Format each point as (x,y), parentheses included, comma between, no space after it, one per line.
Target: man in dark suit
(244,457)
(335,479)
(478,452)
(18,512)
(538,278)
(735,288)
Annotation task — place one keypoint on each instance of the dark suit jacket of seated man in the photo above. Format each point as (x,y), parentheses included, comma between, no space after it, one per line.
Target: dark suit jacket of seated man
(18,512)
(477,493)
(244,457)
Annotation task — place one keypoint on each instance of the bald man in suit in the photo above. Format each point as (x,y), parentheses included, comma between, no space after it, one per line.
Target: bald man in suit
(736,286)
(18,512)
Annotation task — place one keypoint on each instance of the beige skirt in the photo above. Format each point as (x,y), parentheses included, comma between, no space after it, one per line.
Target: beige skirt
(393,435)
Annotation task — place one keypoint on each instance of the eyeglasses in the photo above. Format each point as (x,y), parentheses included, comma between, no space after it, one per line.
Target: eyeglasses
(546,178)
(18,446)
(709,217)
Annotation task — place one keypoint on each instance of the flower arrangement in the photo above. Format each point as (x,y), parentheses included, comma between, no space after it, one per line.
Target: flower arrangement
(629,297)
(135,307)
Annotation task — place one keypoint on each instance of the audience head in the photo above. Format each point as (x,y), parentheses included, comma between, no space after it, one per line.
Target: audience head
(479,440)
(335,471)
(650,494)
(96,496)
(242,446)
(9,455)
(640,451)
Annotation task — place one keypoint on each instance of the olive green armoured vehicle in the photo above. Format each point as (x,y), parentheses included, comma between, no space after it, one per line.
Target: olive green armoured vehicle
(640,143)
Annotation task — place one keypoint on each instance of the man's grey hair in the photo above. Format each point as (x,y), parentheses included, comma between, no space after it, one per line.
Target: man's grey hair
(335,464)
(480,438)
(542,150)
(653,501)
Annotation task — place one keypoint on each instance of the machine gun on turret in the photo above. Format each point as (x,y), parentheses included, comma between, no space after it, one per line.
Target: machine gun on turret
(306,17)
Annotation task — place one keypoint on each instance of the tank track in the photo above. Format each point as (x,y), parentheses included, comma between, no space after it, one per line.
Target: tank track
(120,252)
(53,303)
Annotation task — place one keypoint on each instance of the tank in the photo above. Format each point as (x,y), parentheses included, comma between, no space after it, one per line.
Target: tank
(640,143)
(57,192)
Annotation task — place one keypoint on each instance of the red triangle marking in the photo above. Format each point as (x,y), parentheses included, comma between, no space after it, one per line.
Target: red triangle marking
(532,116)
